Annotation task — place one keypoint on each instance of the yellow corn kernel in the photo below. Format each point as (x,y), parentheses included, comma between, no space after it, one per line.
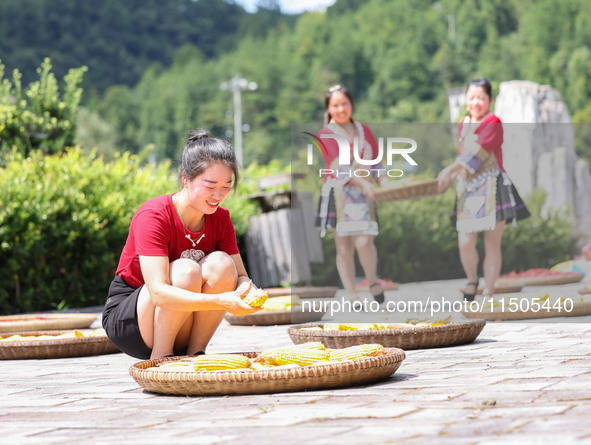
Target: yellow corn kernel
(301,356)
(263,367)
(356,352)
(217,362)
(175,366)
(256,297)
(350,326)
(15,337)
(269,356)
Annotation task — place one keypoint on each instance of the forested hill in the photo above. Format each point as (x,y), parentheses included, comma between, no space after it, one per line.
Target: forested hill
(119,39)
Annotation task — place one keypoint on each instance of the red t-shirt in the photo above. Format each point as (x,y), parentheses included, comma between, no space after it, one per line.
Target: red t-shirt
(332,146)
(490,136)
(156,230)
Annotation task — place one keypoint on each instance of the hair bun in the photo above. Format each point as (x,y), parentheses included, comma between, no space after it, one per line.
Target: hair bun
(196,135)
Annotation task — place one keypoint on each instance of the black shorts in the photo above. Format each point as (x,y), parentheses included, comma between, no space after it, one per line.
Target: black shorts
(120,319)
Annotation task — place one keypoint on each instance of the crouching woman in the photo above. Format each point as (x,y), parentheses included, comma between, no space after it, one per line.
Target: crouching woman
(180,270)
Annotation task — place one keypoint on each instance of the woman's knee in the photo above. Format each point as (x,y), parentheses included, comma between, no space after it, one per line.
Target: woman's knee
(364,242)
(467,240)
(219,264)
(344,246)
(186,274)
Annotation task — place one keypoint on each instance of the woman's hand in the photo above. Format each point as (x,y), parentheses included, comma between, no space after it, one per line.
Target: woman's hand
(448,174)
(233,303)
(443,179)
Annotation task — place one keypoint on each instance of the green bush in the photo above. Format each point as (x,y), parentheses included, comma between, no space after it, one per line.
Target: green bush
(418,243)
(63,222)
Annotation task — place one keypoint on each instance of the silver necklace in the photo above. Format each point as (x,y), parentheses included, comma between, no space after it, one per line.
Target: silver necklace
(187,235)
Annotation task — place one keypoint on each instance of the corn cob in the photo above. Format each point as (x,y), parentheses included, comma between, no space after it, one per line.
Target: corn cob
(255,297)
(356,352)
(269,356)
(262,367)
(217,362)
(300,356)
(175,366)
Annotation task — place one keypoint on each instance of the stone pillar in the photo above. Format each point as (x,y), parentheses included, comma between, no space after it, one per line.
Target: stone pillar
(539,150)
(556,169)
(583,201)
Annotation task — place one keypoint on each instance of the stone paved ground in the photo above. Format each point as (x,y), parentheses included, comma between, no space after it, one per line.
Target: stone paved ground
(520,382)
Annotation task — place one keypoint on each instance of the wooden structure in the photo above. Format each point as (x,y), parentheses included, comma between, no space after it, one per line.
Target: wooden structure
(282,240)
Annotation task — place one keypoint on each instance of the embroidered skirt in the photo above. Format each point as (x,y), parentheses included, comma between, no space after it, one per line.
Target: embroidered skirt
(347,210)
(508,205)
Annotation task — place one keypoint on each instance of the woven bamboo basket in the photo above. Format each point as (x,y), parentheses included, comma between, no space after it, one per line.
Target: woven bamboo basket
(420,337)
(303,292)
(271,318)
(541,281)
(579,309)
(58,348)
(411,191)
(330,375)
(49,321)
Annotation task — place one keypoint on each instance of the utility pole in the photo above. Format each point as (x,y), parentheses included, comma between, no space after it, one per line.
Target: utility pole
(236,85)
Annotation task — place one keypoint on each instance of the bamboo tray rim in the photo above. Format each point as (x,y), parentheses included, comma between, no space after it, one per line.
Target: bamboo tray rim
(268,318)
(49,321)
(54,348)
(458,332)
(579,309)
(542,281)
(303,291)
(459,324)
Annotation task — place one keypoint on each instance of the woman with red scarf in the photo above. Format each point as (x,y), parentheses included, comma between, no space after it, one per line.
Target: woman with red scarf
(486,197)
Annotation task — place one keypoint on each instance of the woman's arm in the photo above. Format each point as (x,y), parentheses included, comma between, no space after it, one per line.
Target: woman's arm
(448,174)
(242,275)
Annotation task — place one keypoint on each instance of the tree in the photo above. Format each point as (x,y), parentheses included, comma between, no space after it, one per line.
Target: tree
(36,118)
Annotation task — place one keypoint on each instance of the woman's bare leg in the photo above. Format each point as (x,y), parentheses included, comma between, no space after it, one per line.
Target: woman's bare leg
(346,262)
(160,327)
(368,256)
(469,257)
(219,275)
(493,256)
(167,331)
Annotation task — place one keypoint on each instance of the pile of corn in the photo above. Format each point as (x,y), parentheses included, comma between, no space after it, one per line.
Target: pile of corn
(371,326)
(73,334)
(306,354)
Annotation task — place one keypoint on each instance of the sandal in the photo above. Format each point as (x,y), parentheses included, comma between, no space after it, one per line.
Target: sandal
(379,297)
(470,297)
